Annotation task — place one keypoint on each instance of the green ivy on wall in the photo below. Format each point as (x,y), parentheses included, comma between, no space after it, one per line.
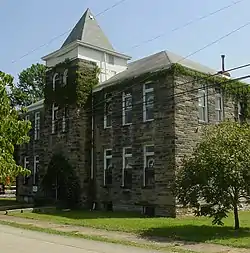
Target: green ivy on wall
(82,77)
(233,88)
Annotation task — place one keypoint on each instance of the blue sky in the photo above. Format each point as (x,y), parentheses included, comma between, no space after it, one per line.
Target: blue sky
(28,24)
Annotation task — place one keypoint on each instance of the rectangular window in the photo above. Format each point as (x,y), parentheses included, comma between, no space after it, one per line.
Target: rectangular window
(148,102)
(127,168)
(111,59)
(27,117)
(37,125)
(26,166)
(108,111)
(107,179)
(65,120)
(35,170)
(202,104)
(148,172)
(218,107)
(127,108)
(54,118)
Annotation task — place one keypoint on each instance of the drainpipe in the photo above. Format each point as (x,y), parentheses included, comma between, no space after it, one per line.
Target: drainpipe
(105,65)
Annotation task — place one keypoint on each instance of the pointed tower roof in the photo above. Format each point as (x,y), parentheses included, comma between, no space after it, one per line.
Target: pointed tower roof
(88,30)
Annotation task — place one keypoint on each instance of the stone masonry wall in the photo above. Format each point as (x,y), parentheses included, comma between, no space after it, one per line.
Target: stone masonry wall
(31,149)
(187,126)
(75,143)
(159,132)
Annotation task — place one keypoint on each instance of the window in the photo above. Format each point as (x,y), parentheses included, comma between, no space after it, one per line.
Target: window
(107,179)
(26,166)
(111,59)
(65,77)
(35,170)
(148,173)
(202,98)
(54,118)
(27,117)
(56,80)
(218,107)
(108,111)
(127,108)
(127,168)
(37,125)
(148,102)
(65,120)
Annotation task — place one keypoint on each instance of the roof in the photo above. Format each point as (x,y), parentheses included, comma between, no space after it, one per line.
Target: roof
(88,30)
(35,106)
(153,63)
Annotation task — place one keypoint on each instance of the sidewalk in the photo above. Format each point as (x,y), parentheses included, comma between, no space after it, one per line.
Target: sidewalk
(120,236)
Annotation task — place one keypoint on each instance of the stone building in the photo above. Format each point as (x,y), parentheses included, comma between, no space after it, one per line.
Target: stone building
(145,116)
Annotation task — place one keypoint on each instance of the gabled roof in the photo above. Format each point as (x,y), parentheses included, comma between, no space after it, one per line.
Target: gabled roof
(88,30)
(153,63)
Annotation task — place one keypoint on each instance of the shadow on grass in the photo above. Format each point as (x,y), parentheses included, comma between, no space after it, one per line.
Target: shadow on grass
(86,214)
(193,233)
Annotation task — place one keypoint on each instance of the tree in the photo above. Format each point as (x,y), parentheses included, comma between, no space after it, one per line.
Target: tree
(12,132)
(30,88)
(217,173)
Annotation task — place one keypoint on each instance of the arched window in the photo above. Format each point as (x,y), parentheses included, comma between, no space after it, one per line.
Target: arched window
(56,79)
(65,77)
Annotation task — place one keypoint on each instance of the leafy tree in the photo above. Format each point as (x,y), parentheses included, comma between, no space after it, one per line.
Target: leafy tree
(12,132)
(217,173)
(30,88)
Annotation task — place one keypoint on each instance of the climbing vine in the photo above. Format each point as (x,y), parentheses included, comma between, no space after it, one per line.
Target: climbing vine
(82,77)
(61,181)
(234,88)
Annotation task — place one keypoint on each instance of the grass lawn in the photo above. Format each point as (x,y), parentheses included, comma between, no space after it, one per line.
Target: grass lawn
(185,228)
(8,201)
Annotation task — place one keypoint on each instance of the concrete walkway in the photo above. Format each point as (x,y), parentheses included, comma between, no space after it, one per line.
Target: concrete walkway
(114,235)
(24,241)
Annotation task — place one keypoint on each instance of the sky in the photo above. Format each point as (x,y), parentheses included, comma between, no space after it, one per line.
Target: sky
(27,25)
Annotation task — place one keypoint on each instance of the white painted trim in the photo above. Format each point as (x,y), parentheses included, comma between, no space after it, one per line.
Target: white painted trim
(124,156)
(124,96)
(36,162)
(221,109)
(203,92)
(61,51)
(65,77)
(54,108)
(77,43)
(105,163)
(145,91)
(36,106)
(25,165)
(145,154)
(37,126)
(54,81)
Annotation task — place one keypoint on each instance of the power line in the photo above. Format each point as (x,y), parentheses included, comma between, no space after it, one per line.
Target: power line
(147,41)
(69,30)
(175,95)
(187,24)
(184,58)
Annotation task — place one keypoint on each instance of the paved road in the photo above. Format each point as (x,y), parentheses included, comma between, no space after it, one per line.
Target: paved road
(14,240)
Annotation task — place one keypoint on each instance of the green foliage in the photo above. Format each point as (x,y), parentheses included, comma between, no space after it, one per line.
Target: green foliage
(12,132)
(30,88)
(218,172)
(61,174)
(81,80)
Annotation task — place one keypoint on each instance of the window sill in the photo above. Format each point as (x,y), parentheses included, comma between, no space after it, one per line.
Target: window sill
(127,124)
(148,120)
(202,122)
(107,186)
(148,187)
(126,188)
